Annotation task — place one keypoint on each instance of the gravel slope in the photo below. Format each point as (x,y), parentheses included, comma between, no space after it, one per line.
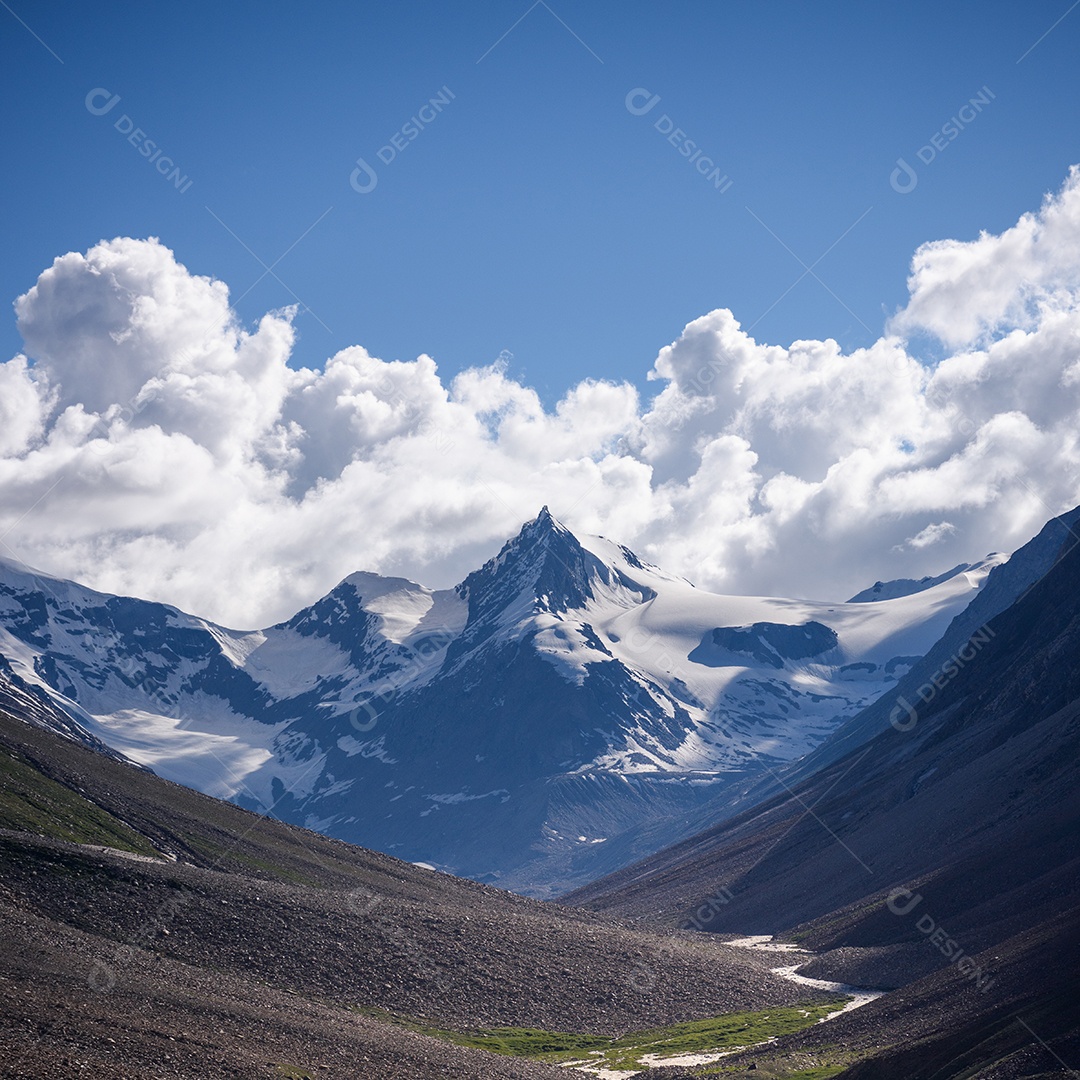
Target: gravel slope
(255,944)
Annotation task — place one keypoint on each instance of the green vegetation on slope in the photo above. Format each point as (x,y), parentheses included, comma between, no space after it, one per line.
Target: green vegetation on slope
(133,809)
(31,802)
(626,1052)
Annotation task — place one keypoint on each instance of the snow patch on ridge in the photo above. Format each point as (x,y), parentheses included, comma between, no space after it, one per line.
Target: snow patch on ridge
(217,762)
(288,663)
(459,797)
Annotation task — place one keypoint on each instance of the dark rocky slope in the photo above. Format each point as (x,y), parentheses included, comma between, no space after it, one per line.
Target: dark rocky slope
(255,943)
(966,808)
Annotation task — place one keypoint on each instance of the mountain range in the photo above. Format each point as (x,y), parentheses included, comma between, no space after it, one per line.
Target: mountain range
(919,865)
(522,728)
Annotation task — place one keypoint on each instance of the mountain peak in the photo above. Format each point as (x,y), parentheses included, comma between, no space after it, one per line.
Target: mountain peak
(541,542)
(543,568)
(545,522)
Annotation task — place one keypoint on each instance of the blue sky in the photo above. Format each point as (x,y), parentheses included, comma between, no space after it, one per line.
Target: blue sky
(535,215)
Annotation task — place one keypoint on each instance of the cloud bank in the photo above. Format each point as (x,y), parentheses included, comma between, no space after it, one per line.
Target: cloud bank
(150,444)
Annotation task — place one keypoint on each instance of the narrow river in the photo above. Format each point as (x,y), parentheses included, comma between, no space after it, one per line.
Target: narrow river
(760,943)
(859,995)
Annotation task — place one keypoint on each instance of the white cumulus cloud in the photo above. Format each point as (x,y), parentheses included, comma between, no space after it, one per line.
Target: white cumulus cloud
(151,444)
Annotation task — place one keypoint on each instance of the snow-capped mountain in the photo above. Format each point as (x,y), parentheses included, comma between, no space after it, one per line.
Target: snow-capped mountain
(563,693)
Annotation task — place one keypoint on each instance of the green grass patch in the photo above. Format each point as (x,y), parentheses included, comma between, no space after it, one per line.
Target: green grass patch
(31,802)
(626,1052)
(524,1042)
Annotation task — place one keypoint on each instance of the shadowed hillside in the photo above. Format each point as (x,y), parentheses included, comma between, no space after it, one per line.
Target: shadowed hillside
(150,930)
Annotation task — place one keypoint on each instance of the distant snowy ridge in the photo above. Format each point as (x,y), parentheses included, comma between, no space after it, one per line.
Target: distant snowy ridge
(401,717)
(891,590)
